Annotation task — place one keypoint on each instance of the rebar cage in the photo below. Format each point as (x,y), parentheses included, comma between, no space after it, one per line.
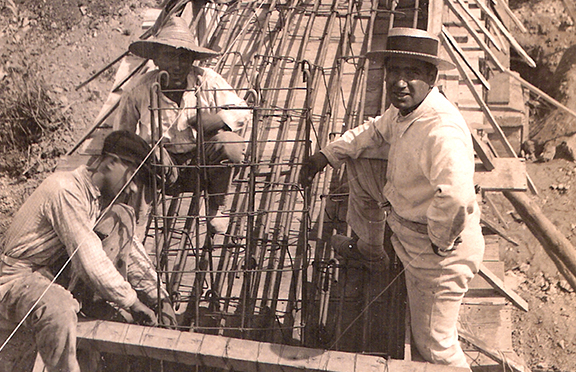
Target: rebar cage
(248,281)
(300,66)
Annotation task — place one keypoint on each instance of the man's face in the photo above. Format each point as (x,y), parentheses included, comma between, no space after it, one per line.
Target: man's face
(408,82)
(176,62)
(119,173)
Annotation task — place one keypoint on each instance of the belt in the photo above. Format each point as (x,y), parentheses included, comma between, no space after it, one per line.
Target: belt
(418,227)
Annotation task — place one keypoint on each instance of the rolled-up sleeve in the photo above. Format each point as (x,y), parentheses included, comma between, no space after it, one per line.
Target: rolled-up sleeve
(226,99)
(141,273)
(363,141)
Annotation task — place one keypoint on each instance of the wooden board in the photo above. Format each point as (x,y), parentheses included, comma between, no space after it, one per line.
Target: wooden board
(508,174)
(233,354)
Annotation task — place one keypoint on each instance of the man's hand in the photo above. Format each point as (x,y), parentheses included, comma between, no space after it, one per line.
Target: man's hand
(143,315)
(313,165)
(211,123)
(168,317)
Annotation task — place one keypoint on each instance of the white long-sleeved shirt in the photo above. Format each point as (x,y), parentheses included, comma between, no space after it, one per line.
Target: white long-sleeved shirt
(215,95)
(430,176)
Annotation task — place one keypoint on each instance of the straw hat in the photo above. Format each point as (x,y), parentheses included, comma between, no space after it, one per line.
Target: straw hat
(176,34)
(414,43)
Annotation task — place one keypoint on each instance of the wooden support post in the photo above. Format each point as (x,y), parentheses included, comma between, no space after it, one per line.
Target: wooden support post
(460,52)
(480,25)
(512,16)
(475,35)
(554,243)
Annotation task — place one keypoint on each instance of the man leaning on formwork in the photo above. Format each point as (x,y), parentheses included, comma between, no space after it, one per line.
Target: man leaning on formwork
(434,217)
(59,221)
(174,51)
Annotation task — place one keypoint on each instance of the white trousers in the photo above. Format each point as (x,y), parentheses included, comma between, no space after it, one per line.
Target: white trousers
(436,286)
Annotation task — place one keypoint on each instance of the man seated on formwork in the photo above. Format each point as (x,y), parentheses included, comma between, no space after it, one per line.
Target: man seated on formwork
(72,215)
(434,216)
(186,88)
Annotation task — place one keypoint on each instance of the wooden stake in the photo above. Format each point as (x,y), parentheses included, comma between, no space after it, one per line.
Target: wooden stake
(554,243)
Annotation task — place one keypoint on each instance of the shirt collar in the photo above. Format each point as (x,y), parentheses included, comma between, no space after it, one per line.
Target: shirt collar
(86,176)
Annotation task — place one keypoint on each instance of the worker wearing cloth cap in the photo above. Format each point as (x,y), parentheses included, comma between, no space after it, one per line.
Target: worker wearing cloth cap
(173,50)
(435,217)
(59,221)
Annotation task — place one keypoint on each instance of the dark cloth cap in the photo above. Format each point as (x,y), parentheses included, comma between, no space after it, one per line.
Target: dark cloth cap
(412,43)
(175,33)
(132,148)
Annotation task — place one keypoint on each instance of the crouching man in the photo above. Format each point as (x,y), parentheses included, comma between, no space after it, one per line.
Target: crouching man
(63,218)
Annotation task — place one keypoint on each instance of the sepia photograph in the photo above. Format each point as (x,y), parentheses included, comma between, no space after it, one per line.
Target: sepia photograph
(287,185)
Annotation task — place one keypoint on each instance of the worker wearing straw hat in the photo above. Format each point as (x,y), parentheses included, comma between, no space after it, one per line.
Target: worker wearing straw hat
(434,215)
(187,87)
(71,225)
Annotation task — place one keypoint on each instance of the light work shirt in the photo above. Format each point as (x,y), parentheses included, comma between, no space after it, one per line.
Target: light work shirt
(60,217)
(430,175)
(214,96)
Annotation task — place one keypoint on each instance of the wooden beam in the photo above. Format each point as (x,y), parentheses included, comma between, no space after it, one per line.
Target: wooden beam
(496,229)
(512,16)
(507,34)
(475,35)
(228,353)
(484,107)
(554,243)
(540,93)
(460,52)
(498,285)
(480,25)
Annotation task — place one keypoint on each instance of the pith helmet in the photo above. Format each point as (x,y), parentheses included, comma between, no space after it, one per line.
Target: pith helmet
(174,33)
(413,43)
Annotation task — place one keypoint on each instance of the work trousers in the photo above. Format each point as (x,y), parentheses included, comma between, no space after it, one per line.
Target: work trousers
(367,206)
(52,308)
(221,150)
(436,286)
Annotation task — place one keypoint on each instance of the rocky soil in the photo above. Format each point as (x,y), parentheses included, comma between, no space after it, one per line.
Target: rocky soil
(63,42)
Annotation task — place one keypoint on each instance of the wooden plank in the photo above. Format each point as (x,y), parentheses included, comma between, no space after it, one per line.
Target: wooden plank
(482,151)
(508,174)
(540,93)
(492,323)
(507,34)
(508,11)
(476,20)
(498,284)
(224,352)
(479,288)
